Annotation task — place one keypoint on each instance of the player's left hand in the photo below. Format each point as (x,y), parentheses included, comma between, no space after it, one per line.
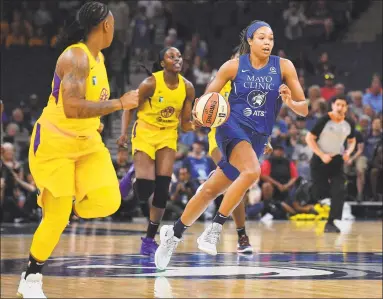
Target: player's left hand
(268,149)
(285,93)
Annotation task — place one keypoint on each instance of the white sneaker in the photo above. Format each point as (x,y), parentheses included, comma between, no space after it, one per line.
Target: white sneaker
(32,287)
(168,243)
(207,242)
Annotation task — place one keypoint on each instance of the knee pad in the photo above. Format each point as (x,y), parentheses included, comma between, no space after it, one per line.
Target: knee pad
(143,189)
(161,191)
(229,170)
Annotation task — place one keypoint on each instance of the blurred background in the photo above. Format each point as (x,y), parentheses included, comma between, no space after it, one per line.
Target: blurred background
(336,47)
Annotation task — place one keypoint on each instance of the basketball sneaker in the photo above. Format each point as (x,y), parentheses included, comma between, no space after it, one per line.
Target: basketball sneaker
(331,228)
(207,242)
(168,243)
(31,287)
(243,245)
(148,246)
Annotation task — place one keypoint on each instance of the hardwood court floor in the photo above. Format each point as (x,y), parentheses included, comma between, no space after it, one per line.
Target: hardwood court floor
(291,260)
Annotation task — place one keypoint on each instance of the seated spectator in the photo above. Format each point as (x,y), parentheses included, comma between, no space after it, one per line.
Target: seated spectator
(324,66)
(54,37)
(357,104)
(43,17)
(319,15)
(202,74)
(199,46)
(18,118)
(339,89)
(314,93)
(279,210)
(4,29)
(328,90)
(198,164)
(22,25)
(304,198)
(292,139)
(294,21)
(374,97)
(280,172)
(302,155)
(372,139)
(376,174)
(15,38)
(181,192)
(38,39)
(357,165)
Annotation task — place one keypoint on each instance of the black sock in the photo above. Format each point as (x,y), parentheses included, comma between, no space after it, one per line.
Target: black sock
(219,218)
(241,232)
(33,266)
(330,221)
(179,228)
(152,229)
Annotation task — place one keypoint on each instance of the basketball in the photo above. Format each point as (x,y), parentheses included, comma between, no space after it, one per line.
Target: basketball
(212,110)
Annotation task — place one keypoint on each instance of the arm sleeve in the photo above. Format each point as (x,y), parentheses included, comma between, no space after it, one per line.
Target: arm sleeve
(266,168)
(320,124)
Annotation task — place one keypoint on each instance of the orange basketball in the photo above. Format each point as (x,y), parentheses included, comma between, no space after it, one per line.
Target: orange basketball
(212,109)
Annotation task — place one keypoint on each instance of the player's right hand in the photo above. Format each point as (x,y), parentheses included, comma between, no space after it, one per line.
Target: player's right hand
(130,100)
(123,141)
(326,158)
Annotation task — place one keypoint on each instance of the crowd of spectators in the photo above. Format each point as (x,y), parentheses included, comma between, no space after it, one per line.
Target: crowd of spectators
(139,27)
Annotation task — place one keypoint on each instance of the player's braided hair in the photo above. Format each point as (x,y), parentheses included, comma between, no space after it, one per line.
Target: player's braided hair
(89,16)
(244,46)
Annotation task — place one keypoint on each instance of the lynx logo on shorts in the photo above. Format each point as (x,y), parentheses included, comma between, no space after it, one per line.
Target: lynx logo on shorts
(167,112)
(278,265)
(256,99)
(104,96)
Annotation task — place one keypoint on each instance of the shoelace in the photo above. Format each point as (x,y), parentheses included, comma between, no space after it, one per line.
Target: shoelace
(171,244)
(213,236)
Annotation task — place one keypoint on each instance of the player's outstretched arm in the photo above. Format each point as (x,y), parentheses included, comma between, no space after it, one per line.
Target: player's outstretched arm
(145,90)
(227,72)
(187,123)
(292,94)
(73,69)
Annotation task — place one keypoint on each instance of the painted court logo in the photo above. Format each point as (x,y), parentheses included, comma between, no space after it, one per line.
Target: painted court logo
(302,265)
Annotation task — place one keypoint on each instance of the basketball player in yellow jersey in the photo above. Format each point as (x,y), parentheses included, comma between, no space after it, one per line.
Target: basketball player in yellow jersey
(67,156)
(165,97)
(239,213)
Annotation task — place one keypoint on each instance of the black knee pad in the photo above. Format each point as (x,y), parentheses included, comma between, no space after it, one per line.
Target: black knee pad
(161,191)
(143,189)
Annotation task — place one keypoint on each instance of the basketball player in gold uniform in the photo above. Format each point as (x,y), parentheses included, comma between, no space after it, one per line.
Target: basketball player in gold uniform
(67,157)
(165,98)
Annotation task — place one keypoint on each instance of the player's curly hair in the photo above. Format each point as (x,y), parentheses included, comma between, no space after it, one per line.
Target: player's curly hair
(89,16)
(244,47)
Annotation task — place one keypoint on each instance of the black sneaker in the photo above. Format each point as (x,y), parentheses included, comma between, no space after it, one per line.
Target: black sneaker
(244,245)
(331,228)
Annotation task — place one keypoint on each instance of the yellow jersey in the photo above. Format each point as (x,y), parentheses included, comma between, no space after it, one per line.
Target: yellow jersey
(97,89)
(164,107)
(225,91)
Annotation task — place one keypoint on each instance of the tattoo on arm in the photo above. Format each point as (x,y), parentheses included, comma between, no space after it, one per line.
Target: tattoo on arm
(76,71)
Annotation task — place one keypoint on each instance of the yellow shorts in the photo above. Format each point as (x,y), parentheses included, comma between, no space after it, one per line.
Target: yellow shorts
(68,165)
(212,142)
(149,139)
